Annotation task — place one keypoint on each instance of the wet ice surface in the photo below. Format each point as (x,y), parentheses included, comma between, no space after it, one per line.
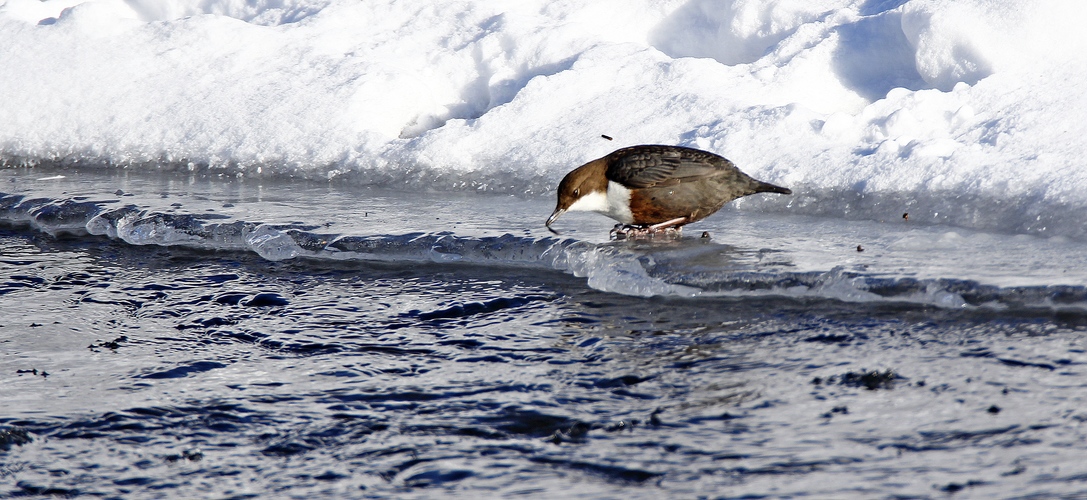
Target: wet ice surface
(187,372)
(896,258)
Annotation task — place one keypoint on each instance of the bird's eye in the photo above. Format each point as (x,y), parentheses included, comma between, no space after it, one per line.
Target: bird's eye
(577,192)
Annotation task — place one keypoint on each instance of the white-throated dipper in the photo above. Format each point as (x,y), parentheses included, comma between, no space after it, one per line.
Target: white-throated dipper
(653,187)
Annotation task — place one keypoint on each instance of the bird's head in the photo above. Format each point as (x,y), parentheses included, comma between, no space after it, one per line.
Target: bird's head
(583,189)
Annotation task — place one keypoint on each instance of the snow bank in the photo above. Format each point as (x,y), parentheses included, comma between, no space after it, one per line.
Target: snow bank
(966,112)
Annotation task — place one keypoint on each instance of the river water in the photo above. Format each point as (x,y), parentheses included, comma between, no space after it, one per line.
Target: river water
(170,336)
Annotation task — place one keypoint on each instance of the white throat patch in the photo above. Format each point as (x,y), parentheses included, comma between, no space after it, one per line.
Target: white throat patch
(615,203)
(592,202)
(619,203)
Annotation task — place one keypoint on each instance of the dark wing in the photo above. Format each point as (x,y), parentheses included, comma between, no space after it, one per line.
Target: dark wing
(649,166)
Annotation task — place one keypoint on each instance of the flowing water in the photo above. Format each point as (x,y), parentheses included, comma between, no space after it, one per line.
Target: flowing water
(184,337)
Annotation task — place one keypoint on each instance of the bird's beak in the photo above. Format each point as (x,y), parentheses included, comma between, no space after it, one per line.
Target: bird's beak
(554,215)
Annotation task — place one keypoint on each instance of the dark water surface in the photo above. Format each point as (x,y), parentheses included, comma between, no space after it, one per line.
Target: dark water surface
(142,372)
(173,337)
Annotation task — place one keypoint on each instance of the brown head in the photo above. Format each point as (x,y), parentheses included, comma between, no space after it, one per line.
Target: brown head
(585,184)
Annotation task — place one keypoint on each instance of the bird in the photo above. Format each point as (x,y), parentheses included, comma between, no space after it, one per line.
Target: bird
(651,187)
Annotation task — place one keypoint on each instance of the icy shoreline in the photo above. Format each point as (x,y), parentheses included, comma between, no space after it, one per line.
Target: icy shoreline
(750,255)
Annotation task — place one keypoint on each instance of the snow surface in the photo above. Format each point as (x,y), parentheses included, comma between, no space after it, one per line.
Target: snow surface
(969,112)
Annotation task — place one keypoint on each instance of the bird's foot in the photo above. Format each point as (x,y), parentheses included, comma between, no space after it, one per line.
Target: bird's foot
(627,231)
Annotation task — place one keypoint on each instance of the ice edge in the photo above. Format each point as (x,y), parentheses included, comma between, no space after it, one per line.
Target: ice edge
(606,267)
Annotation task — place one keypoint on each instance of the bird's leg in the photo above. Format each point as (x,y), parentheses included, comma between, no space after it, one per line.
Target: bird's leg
(677,222)
(672,228)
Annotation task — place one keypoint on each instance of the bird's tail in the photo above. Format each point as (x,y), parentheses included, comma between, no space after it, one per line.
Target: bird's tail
(766,187)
